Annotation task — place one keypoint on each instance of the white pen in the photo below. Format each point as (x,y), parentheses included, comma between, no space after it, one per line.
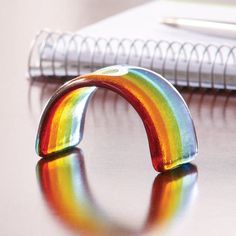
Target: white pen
(209,27)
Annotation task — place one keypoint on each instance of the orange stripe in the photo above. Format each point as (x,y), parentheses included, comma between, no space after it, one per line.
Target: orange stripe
(154,113)
(56,122)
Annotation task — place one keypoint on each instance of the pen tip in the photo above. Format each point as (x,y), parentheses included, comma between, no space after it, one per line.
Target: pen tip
(169,21)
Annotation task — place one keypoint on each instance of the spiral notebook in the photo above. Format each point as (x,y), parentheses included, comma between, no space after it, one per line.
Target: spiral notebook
(137,37)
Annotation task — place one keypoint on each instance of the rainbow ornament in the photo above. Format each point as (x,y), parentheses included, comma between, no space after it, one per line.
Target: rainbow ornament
(165,115)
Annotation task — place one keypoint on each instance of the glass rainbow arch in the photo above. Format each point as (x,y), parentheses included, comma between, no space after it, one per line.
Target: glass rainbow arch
(165,115)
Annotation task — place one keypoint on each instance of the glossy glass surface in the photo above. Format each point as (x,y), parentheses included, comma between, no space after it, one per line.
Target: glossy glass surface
(66,190)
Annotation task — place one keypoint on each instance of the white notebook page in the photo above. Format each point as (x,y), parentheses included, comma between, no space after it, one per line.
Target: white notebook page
(183,57)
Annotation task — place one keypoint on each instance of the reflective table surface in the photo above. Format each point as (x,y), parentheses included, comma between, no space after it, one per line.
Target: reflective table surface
(107,186)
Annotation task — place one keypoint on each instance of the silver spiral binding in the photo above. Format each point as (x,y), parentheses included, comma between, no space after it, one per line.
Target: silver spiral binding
(56,54)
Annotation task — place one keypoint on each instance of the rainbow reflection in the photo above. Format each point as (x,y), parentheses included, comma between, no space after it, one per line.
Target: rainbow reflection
(65,188)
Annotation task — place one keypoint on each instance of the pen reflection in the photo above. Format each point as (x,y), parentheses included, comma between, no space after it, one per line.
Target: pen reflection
(65,188)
